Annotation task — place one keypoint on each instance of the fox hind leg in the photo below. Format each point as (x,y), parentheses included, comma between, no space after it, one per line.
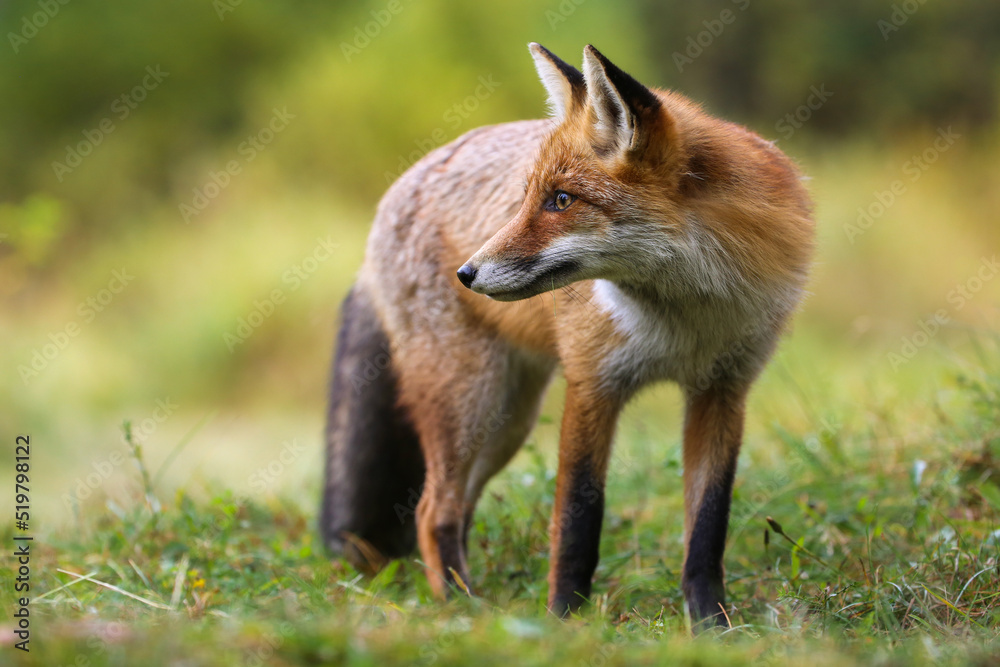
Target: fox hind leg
(473,407)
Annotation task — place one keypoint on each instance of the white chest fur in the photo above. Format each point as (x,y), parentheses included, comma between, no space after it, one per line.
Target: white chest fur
(692,344)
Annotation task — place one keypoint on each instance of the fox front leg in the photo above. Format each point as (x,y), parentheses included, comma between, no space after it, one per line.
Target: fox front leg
(575,532)
(713,431)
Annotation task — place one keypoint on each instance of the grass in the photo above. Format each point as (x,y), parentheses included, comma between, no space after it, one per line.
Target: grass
(874,543)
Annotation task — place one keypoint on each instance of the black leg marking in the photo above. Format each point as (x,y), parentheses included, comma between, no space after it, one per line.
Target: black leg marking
(449,543)
(466,527)
(579,526)
(704,586)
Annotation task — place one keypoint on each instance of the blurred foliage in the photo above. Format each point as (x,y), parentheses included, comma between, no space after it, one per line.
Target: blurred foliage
(890,65)
(371,83)
(72,74)
(35,226)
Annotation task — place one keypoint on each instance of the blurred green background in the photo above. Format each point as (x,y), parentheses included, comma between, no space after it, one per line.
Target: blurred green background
(173,177)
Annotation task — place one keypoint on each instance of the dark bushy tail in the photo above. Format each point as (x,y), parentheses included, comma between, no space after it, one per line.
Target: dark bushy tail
(374,466)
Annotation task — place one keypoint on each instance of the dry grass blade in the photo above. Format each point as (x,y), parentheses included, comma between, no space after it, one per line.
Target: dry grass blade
(112,587)
(175,597)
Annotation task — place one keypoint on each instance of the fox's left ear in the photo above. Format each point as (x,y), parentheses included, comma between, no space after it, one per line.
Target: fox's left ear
(562,81)
(623,110)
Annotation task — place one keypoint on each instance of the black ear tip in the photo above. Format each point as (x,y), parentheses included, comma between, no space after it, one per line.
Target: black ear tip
(538,49)
(571,73)
(624,82)
(601,58)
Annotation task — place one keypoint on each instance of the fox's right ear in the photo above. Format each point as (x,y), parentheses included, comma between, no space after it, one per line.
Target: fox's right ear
(563,82)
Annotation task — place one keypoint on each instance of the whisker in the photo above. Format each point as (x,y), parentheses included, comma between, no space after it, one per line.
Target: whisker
(579,298)
(569,294)
(574,296)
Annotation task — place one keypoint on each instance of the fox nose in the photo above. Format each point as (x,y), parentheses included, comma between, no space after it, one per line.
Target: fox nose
(467,274)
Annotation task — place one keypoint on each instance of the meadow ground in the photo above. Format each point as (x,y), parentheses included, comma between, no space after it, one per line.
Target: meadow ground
(866,520)
(843,551)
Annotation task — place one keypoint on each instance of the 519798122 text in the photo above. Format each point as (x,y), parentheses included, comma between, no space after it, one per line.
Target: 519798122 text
(22,542)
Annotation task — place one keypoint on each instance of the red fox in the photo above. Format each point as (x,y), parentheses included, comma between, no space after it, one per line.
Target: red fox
(629,239)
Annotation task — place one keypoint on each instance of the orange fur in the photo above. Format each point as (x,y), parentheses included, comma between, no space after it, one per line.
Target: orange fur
(681,256)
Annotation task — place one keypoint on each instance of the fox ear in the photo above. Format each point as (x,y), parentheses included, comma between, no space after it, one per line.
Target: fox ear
(563,82)
(619,104)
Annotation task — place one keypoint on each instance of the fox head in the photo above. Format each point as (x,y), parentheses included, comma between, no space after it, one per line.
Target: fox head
(599,200)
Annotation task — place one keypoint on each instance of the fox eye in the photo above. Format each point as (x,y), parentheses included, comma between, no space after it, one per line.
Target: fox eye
(561,200)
